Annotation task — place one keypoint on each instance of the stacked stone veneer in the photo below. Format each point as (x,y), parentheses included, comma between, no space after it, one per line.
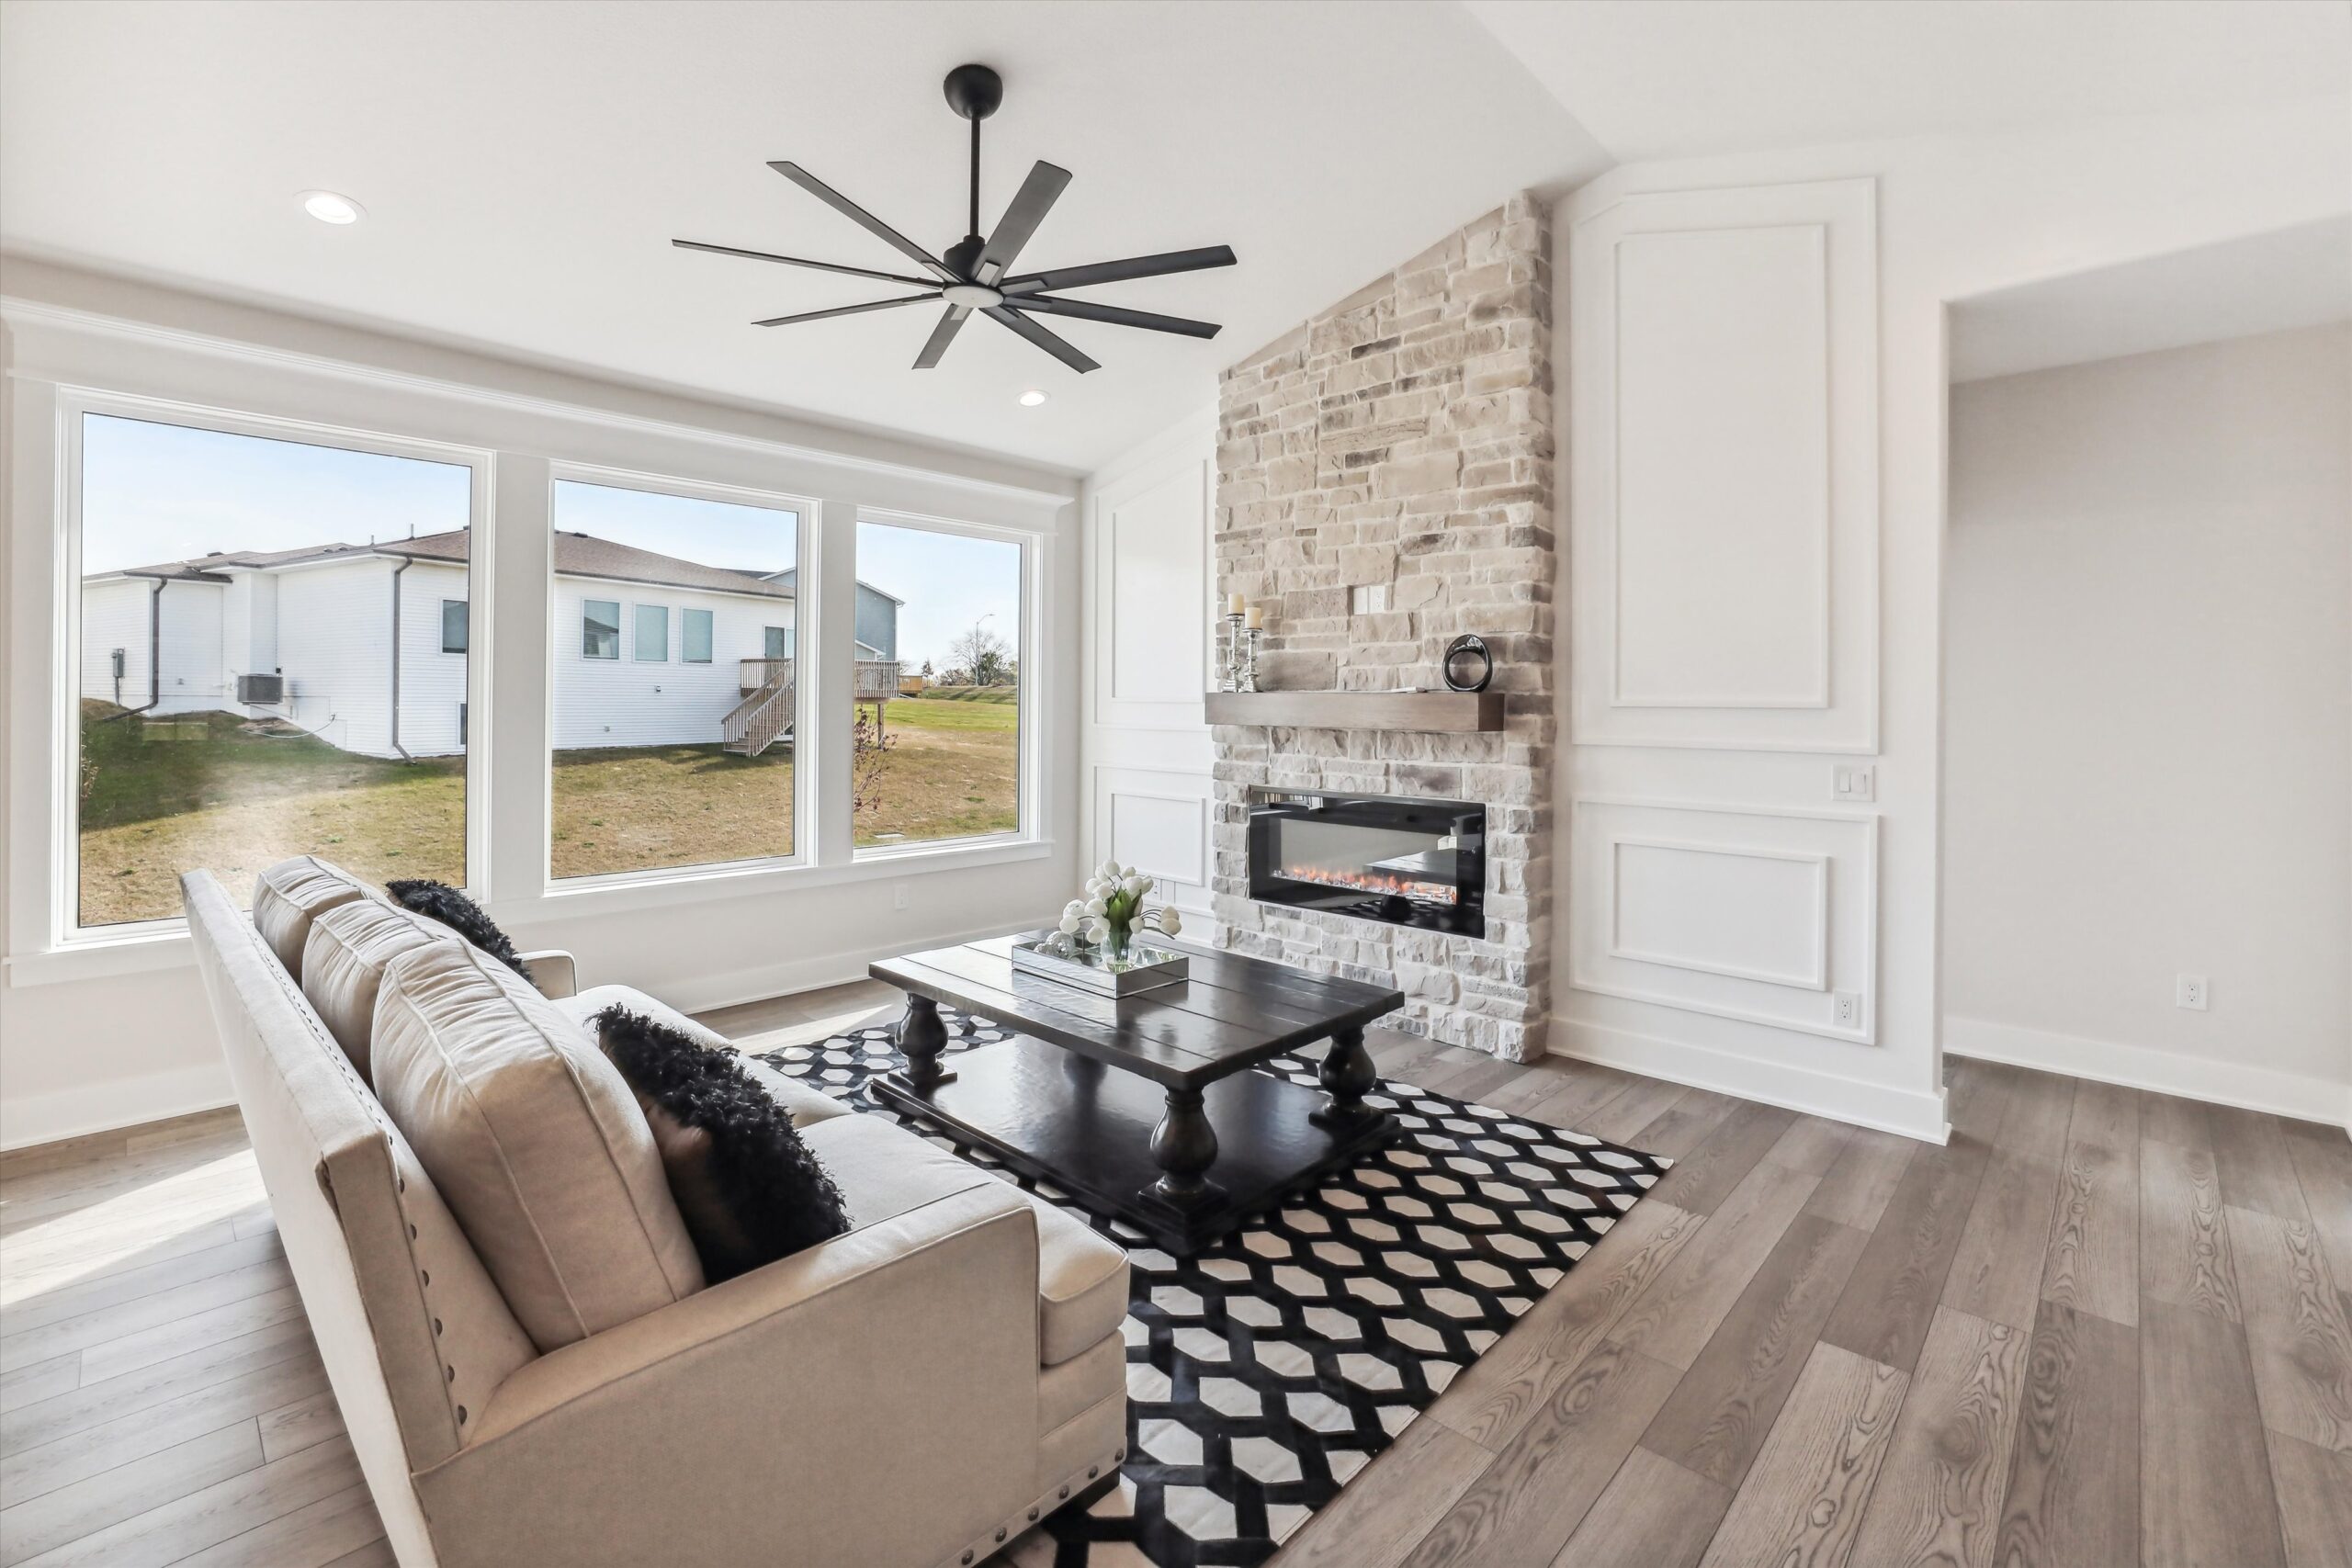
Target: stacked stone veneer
(1402,442)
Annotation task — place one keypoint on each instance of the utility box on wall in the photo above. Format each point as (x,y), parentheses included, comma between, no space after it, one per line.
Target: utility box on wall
(261,691)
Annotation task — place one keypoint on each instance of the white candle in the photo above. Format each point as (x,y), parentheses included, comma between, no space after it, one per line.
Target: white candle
(1257,617)
(1233,603)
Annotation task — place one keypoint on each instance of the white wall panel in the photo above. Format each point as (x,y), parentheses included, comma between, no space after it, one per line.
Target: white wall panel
(1157,822)
(1723,427)
(1746,912)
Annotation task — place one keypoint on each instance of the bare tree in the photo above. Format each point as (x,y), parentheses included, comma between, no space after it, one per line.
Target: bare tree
(984,657)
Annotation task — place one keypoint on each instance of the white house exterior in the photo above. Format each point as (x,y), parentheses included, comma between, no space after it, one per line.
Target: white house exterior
(650,650)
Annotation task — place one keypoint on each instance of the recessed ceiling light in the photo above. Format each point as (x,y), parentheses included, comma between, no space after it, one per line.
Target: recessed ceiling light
(328,207)
(1032,397)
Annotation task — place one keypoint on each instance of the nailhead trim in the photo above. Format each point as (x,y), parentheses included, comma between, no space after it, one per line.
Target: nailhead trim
(1000,1532)
(452,1373)
(461,1414)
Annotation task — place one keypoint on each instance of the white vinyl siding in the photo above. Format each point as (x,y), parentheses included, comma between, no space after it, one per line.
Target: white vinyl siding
(432,683)
(622,703)
(650,637)
(335,641)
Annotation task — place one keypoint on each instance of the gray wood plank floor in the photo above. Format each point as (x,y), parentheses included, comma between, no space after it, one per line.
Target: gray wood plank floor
(2099,1327)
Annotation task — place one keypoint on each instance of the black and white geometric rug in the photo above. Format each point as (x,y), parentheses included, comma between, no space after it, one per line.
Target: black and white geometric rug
(1265,1373)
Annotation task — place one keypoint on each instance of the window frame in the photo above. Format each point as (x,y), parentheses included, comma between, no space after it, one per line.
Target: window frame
(75,406)
(612,657)
(637,654)
(465,625)
(807,752)
(1029,784)
(686,614)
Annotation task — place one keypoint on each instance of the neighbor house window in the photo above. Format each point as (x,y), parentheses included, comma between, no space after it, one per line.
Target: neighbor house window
(255,677)
(599,628)
(777,643)
(945,762)
(701,770)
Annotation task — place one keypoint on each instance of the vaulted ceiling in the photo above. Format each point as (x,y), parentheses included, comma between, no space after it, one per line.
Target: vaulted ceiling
(525,164)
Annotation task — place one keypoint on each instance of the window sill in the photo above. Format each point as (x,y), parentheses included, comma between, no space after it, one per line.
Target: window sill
(102,958)
(651,890)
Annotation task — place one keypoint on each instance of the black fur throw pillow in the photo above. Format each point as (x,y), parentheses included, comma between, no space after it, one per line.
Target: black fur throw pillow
(440,901)
(749,1189)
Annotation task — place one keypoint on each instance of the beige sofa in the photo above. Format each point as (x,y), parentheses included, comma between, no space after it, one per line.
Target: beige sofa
(914,1392)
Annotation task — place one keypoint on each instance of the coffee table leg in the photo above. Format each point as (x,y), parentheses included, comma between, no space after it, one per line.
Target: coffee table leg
(1184,1146)
(923,1037)
(1347,1075)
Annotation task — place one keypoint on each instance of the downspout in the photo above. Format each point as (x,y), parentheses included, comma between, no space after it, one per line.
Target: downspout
(405,563)
(154,652)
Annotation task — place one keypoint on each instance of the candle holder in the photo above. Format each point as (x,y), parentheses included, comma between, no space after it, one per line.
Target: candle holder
(1248,674)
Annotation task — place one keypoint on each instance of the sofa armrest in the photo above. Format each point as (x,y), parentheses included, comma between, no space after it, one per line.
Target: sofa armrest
(553,972)
(872,1398)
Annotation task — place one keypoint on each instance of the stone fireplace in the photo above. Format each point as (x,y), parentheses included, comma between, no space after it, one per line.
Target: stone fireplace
(1385,482)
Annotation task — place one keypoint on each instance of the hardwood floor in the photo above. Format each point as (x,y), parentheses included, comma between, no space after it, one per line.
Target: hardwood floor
(2099,1327)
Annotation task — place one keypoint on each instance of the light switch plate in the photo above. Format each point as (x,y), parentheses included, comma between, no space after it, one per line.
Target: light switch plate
(1850,782)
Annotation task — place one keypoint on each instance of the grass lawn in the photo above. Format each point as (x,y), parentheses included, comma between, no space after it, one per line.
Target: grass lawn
(236,802)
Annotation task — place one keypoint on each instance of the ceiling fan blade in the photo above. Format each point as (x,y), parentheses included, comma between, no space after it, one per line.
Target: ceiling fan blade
(848,310)
(1030,205)
(863,218)
(941,336)
(1058,347)
(1115,271)
(1117,315)
(799,261)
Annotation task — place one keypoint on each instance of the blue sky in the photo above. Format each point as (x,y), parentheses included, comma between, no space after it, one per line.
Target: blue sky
(158,493)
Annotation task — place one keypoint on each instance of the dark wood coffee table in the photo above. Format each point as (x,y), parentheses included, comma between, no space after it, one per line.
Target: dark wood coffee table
(1143,1107)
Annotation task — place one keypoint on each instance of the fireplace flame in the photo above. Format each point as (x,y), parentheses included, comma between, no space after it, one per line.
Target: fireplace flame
(1376,882)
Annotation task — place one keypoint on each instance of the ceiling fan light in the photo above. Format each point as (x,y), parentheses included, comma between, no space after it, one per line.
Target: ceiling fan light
(1032,397)
(328,206)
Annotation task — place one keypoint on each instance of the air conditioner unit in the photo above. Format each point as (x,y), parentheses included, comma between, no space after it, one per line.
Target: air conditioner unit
(261,691)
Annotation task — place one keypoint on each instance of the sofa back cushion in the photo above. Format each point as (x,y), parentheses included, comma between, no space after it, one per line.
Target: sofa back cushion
(290,895)
(534,1141)
(343,966)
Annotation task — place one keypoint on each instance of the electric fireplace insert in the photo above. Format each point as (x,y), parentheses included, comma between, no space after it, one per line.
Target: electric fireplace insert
(1408,862)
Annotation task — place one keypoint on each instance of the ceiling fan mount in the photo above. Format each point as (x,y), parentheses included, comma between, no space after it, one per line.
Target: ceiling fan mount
(971,274)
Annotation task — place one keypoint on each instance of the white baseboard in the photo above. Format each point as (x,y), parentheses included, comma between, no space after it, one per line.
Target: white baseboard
(115,1103)
(129,1103)
(2237,1083)
(1910,1114)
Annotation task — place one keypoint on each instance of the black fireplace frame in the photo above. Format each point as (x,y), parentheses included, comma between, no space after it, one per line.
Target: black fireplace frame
(1464,821)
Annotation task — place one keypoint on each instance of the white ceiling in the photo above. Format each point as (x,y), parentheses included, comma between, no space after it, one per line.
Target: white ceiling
(525,166)
(2262,283)
(525,163)
(1669,78)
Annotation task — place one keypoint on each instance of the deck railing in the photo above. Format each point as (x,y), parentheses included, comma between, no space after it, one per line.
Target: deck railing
(877,679)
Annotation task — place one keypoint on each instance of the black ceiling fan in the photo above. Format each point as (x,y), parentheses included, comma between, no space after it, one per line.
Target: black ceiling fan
(971,277)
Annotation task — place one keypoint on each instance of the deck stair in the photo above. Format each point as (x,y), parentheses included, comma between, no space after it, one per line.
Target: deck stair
(764,715)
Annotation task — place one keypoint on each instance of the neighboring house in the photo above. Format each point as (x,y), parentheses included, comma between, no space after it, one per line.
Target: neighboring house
(878,618)
(370,641)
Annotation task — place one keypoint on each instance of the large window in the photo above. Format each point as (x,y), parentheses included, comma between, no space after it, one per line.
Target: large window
(261,672)
(691,764)
(938,644)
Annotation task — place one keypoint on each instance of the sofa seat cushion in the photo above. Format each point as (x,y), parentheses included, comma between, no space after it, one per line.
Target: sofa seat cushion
(534,1141)
(342,967)
(884,1171)
(289,895)
(805,1104)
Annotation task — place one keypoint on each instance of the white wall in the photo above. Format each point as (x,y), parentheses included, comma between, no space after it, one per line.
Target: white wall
(1956,216)
(108,1032)
(432,683)
(335,640)
(629,702)
(115,614)
(2148,729)
(1145,762)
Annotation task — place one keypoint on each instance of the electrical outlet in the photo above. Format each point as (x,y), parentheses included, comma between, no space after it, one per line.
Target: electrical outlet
(898,894)
(2189,991)
(1848,1008)
(1850,783)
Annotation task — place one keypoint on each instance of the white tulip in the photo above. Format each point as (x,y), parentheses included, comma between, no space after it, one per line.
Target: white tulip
(1098,930)
(1075,907)
(1096,907)
(1170,921)
(1137,885)
(1070,922)
(1108,871)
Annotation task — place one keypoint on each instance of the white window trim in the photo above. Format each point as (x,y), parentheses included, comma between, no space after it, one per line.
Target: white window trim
(617,890)
(74,404)
(1036,560)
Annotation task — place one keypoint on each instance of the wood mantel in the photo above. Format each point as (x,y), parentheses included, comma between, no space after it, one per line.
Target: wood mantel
(1449,712)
